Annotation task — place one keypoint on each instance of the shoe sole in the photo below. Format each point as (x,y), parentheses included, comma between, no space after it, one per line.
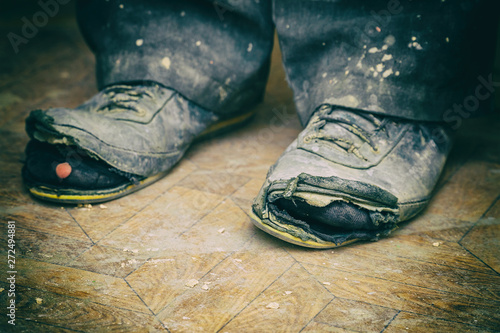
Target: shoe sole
(69,196)
(72,196)
(292,239)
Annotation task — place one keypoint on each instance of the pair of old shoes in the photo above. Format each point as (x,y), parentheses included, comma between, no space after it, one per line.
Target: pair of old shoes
(350,175)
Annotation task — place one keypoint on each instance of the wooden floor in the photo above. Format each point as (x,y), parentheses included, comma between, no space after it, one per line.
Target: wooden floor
(183,256)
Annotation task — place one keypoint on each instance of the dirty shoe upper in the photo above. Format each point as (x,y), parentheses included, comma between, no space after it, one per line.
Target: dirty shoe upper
(124,138)
(138,129)
(350,175)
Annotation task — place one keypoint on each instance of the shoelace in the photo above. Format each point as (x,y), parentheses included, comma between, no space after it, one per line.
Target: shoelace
(123,97)
(326,116)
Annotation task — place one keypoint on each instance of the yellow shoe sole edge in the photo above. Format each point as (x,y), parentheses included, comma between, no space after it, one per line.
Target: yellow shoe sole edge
(90,197)
(292,239)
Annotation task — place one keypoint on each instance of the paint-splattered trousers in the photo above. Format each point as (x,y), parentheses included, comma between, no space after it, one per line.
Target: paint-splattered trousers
(425,60)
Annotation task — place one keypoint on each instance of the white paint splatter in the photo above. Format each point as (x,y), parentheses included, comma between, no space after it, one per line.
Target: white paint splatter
(417,46)
(380,67)
(387,72)
(139,42)
(191,283)
(373,50)
(198,43)
(165,62)
(222,94)
(387,57)
(250,47)
(390,40)
(273,305)
(360,62)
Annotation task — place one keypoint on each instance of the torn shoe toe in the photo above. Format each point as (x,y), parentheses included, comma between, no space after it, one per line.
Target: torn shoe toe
(350,176)
(128,135)
(88,177)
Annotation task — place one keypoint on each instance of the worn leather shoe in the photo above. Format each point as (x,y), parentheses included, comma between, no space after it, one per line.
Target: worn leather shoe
(350,176)
(124,138)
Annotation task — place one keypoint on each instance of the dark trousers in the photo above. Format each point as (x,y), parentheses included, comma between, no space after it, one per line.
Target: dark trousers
(404,58)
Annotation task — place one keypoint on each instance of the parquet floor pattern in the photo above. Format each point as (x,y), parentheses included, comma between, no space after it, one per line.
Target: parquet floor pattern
(126,266)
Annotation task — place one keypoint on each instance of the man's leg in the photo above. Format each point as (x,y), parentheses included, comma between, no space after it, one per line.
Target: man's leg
(169,72)
(216,54)
(375,82)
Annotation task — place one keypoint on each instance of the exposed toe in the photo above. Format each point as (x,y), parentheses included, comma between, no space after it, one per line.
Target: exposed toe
(59,166)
